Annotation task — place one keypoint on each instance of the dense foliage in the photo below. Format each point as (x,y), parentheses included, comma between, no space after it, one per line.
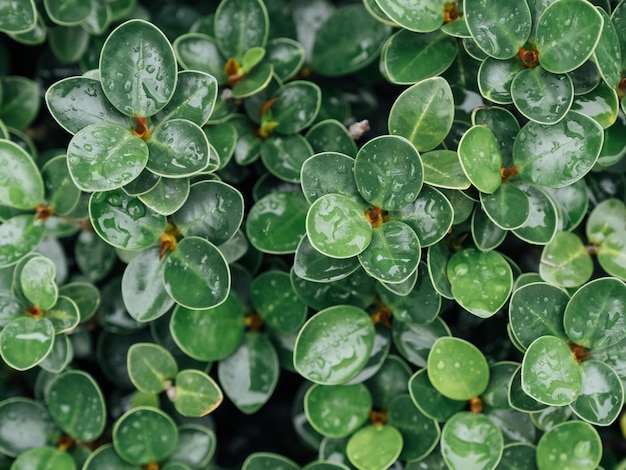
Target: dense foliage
(303,234)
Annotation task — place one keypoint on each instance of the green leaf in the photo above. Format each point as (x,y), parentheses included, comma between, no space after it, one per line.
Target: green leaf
(558,155)
(601,104)
(178,148)
(25,424)
(393,253)
(283,156)
(480,157)
(542,223)
(495,78)
(429,401)
(286,57)
(253,82)
(376,167)
(77,405)
(519,400)
(68,43)
(196,445)
(38,282)
(317,181)
(17,17)
(423,113)
(499,28)
(541,96)
(606,218)
(105,156)
(94,256)
(457,369)
(196,393)
(536,310)
(420,434)
(602,396)
(196,274)
(26,341)
(374,446)
(63,315)
(574,444)
(565,261)
(607,54)
(442,168)
(422,16)
(239,26)
(485,233)
(330,135)
(274,299)
(20,101)
(611,255)
(550,373)
(337,226)
(213,210)
(199,52)
(334,345)
(263,460)
(60,191)
(124,221)
(573,202)
(151,368)
(67,12)
(138,69)
(210,334)
(105,458)
(296,106)
(19,236)
(337,410)
(336,53)
(21,185)
(414,340)
(481,282)
(409,57)
(46,457)
(167,196)
(595,316)
(471,441)
(276,222)
(567,33)
(249,375)
(144,434)
(498,205)
(311,265)
(193,99)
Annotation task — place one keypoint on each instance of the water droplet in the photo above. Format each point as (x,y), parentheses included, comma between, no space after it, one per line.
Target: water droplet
(441,365)
(150,68)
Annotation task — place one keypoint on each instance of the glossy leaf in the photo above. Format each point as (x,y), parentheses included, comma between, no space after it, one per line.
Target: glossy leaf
(423,16)
(274,299)
(335,53)
(542,96)
(471,440)
(26,424)
(44,457)
(67,12)
(26,341)
(261,460)
(21,185)
(480,157)
(151,368)
(138,69)
(442,169)
(330,135)
(20,101)
(495,78)
(601,104)
(196,274)
(565,261)
(499,29)
(284,156)
(249,375)
(167,196)
(457,369)
(481,282)
(550,373)
(105,156)
(606,218)
(296,106)
(541,225)
(376,167)
(596,314)
(337,410)
(410,57)
(199,52)
(558,155)
(498,204)
(536,310)
(334,345)
(392,254)
(77,405)
(144,434)
(420,434)
(607,54)
(196,445)
(286,56)
(38,282)
(17,17)
(573,444)
(213,210)
(374,446)
(602,394)
(317,182)
(124,221)
(276,222)
(106,458)
(60,191)
(567,33)
(239,26)
(196,393)
(312,265)
(423,113)
(414,340)
(337,226)
(210,334)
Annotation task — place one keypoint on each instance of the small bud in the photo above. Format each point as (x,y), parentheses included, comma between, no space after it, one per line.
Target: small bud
(358,129)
